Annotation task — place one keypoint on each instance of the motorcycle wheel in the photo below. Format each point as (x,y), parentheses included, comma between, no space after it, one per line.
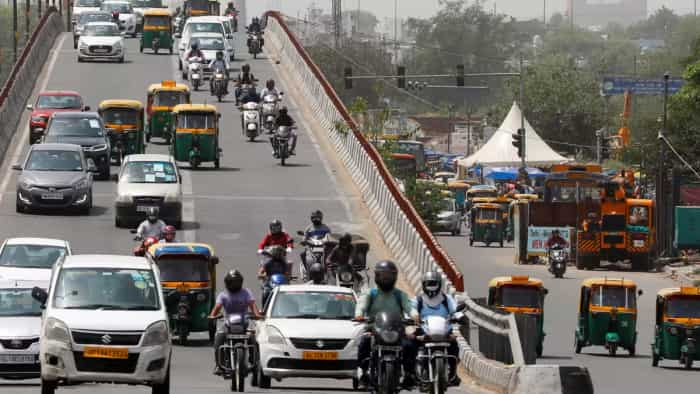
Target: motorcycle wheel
(241,369)
(654,359)
(577,345)
(688,362)
(220,97)
(255,55)
(612,350)
(439,381)
(212,331)
(283,153)
(389,381)
(155,50)
(264,382)
(183,339)
(251,138)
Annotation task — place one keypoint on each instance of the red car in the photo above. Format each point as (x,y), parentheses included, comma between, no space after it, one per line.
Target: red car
(46,104)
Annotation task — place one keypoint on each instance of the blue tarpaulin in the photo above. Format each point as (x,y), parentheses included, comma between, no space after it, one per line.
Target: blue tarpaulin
(511,173)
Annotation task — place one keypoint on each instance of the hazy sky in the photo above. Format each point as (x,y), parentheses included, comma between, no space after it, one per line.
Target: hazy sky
(426,8)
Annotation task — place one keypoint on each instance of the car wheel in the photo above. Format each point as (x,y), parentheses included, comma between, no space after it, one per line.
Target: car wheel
(121,59)
(179,65)
(118,223)
(19,208)
(264,382)
(75,44)
(162,388)
(107,173)
(88,206)
(80,59)
(48,387)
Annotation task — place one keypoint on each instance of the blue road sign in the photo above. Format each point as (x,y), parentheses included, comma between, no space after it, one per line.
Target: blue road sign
(649,87)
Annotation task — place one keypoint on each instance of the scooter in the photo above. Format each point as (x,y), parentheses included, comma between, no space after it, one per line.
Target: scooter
(195,72)
(250,120)
(144,243)
(557,258)
(269,111)
(315,252)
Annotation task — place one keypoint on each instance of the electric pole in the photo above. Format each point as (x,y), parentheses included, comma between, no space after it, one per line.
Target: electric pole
(522,112)
(337,21)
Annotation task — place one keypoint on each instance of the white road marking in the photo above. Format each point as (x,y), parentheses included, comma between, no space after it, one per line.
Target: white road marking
(24,133)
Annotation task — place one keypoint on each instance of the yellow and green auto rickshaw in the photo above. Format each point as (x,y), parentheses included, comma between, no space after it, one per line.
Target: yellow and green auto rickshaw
(123,120)
(486,224)
(677,326)
(196,134)
(162,98)
(188,277)
(607,315)
(480,191)
(157,30)
(520,294)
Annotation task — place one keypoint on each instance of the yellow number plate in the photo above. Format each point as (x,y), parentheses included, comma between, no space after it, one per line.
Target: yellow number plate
(320,355)
(106,352)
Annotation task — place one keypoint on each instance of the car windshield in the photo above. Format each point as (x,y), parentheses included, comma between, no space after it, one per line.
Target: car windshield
(120,116)
(54,160)
(106,288)
(447,205)
(614,296)
(157,21)
(122,8)
(683,307)
(183,269)
(206,27)
(167,98)
(88,17)
(149,172)
(520,296)
(75,127)
(195,120)
(59,102)
(18,302)
(313,305)
(31,256)
(101,30)
(88,3)
(210,43)
(147,3)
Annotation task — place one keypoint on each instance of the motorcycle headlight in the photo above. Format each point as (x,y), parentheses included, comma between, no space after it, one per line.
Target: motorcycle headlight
(250,115)
(346,276)
(220,76)
(389,336)
(82,184)
(274,336)
(56,330)
(252,126)
(156,334)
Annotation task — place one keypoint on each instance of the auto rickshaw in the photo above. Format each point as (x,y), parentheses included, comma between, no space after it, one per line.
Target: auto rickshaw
(459,190)
(486,224)
(162,98)
(607,315)
(123,120)
(520,294)
(486,191)
(444,176)
(157,30)
(188,276)
(196,134)
(677,326)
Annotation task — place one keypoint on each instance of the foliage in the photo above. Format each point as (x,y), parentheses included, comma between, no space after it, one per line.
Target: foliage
(683,115)
(426,199)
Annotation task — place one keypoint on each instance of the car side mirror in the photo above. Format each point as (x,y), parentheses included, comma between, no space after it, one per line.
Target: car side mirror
(123,34)
(30,107)
(40,295)
(91,167)
(215,260)
(86,108)
(545,291)
(17,167)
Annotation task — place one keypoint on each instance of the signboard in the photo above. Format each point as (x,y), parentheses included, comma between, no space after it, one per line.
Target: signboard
(646,87)
(537,237)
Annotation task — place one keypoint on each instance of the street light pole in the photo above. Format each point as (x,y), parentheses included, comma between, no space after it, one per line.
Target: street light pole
(661,220)
(15,33)
(522,112)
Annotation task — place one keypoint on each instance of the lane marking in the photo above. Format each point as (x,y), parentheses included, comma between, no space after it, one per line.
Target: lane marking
(24,133)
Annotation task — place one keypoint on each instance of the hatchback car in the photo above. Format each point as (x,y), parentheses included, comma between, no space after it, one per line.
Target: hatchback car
(20,328)
(46,104)
(85,18)
(308,332)
(85,129)
(39,253)
(148,181)
(101,41)
(105,321)
(54,176)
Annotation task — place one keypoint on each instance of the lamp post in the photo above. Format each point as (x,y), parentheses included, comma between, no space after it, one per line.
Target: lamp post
(661,219)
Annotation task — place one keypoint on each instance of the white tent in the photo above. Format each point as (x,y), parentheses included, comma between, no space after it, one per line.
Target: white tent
(499,150)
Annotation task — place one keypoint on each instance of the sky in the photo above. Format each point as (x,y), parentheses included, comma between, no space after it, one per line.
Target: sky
(426,8)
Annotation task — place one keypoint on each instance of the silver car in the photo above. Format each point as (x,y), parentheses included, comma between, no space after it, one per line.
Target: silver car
(55,176)
(449,218)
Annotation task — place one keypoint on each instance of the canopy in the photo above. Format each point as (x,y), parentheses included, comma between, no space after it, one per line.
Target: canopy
(511,173)
(499,149)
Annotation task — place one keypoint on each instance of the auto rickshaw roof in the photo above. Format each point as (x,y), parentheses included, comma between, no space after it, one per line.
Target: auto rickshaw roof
(526,196)
(443,174)
(131,104)
(673,291)
(484,200)
(194,108)
(515,280)
(608,282)
(458,185)
(161,249)
(488,205)
(156,12)
(640,202)
(164,87)
(482,188)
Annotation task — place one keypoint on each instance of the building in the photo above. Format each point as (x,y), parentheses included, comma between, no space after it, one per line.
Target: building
(602,12)
(434,132)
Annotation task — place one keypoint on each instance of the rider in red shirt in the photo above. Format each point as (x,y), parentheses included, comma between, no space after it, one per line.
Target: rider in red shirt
(555,239)
(276,237)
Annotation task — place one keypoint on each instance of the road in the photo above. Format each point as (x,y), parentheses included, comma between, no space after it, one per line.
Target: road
(229,208)
(610,375)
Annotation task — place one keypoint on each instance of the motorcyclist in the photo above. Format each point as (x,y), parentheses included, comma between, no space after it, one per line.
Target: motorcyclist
(230,9)
(317,229)
(251,96)
(195,51)
(317,275)
(283,119)
(169,233)
(270,89)
(152,226)
(235,300)
(276,236)
(555,239)
(385,298)
(434,302)
(255,28)
(245,77)
(219,64)
(342,253)
(275,264)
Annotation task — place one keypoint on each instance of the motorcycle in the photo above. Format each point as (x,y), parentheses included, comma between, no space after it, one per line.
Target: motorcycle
(385,362)
(432,364)
(254,47)
(219,84)
(270,282)
(236,357)
(315,252)
(269,112)
(144,243)
(195,71)
(280,142)
(250,120)
(557,258)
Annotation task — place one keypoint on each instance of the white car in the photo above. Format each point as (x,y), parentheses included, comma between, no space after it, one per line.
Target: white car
(80,6)
(31,253)
(209,44)
(308,332)
(104,321)
(127,17)
(101,41)
(145,181)
(206,24)
(20,328)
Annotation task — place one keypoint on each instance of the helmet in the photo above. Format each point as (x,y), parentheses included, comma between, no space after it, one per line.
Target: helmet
(278,279)
(275,226)
(385,275)
(195,45)
(230,4)
(152,214)
(246,68)
(233,281)
(555,232)
(284,111)
(270,84)
(317,217)
(219,55)
(432,283)
(169,233)
(316,273)
(345,240)
(278,252)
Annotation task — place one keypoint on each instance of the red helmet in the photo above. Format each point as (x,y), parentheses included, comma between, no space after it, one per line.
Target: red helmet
(169,233)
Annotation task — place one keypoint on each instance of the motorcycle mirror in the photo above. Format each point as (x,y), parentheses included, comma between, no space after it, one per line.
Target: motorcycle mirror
(545,291)
(640,292)
(461,306)
(215,260)
(172,299)
(30,107)
(86,108)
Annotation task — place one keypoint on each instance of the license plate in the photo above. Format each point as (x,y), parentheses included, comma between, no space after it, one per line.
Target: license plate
(52,196)
(143,208)
(17,359)
(638,243)
(106,352)
(100,51)
(320,356)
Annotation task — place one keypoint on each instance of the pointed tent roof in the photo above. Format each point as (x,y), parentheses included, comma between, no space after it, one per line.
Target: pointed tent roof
(499,149)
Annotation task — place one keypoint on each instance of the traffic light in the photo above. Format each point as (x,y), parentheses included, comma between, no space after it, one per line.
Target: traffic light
(348,77)
(519,142)
(460,75)
(401,81)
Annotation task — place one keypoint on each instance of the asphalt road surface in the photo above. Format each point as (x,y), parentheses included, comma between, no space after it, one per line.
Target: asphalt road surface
(229,208)
(621,374)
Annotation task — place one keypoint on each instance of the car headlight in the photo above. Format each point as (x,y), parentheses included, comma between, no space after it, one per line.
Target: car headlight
(38,119)
(117,45)
(389,336)
(26,185)
(172,197)
(125,198)
(82,45)
(56,330)
(274,336)
(156,334)
(97,148)
(346,276)
(82,184)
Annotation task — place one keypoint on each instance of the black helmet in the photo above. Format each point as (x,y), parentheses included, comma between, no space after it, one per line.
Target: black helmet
(246,68)
(278,252)
(284,111)
(432,283)
(385,275)
(219,55)
(195,45)
(345,240)
(275,226)
(233,281)
(316,273)
(230,4)
(555,232)
(317,217)
(270,84)
(152,214)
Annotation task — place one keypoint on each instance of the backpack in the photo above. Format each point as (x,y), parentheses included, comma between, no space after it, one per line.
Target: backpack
(419,301)
(373,295)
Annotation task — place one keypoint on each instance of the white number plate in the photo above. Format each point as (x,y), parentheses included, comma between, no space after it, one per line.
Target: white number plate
(638,243)
(100,51)
(143,208)
(17,358)
(52,196)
